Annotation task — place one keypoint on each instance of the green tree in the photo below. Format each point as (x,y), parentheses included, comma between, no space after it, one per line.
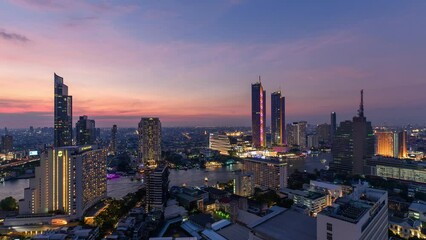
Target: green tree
(8,204)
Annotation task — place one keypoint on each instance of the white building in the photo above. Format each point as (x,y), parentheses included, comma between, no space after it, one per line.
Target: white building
(362,215)
(313,201)
(267,173)
(69,180)
(244,184)
(220,142)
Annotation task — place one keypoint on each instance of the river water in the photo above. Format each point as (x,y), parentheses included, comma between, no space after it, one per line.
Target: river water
(119,187)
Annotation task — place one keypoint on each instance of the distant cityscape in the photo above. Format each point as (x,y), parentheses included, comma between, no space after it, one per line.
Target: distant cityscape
(347,180)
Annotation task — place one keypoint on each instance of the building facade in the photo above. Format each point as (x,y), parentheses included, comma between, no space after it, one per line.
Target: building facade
(267,173)
(244,184)
(6,143)
(333,125)
(220,142)
(150,142)
(62,114)
(258,115)
(113,143)
(157,185)
(85,131)
(296,134)
(278,132)
(363,215)
(69,180)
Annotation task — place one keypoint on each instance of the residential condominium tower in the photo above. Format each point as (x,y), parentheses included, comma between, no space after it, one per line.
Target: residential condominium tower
(258,115)
(85,131)
(62,114)
(278,132)
(150,141)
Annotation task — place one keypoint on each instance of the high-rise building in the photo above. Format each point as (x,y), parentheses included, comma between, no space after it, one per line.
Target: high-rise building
(267,173)
(361,215)
(333,125)
(157,185)
(62,114)
(258,115)
(220,142)
(113,144)
(150,141)
(278,132)
(324,133)
(353,144)
(69,180)
(244,184)
(296,134)
(6,143)
(391,144)
(85,131)
(312,141)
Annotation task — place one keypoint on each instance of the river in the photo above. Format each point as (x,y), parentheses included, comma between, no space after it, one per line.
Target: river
(119,187)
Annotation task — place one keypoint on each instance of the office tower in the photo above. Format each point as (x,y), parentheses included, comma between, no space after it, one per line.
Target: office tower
(312,141)
(85,131)
(278,132)
(62,114)
(150,141)
(244,184)
(258,115)
(361,215)
(402,144)
(157,185)
(6,143)
(220,142)
(296,134)
(113,144)
(333,124)
(323,132)
(267,173)
(69,180)
(353,144)
(391,144)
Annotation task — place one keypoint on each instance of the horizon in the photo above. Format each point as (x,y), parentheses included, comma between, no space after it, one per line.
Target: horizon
(193,65)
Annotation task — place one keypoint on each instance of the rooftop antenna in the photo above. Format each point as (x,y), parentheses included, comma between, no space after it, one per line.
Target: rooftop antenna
(260,81)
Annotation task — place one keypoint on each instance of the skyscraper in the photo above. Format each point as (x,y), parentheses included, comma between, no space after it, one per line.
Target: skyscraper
(391,144)
(69,180)
(113,144)
(62,114)
(157,185)
(6,143)
(258,115)
(278,132)
(353,144)
(296,134)
(333,124)
(150,141)
(85,131)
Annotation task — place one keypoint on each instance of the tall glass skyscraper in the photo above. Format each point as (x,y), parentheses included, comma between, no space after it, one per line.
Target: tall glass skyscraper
(85,131)
(150,141)
(278,132)
(258,115)
(62,114)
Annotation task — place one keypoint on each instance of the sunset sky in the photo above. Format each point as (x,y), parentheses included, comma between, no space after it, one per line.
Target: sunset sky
(191,63)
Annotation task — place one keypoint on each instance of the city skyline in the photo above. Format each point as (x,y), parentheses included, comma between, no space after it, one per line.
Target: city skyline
(154,59)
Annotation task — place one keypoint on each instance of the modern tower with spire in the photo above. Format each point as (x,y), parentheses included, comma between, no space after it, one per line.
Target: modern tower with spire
(62,114)
(258,115)
(353,144)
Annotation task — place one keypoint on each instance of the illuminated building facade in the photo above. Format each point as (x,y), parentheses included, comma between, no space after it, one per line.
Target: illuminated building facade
(296,134)
(69,180)
(220,142)
(62,114)
(157,185)
(278,132)
(85,131)
(244,184)
(353,144)
(258,115)
(6,143)
(267,173)
(150,141)
(391,144)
